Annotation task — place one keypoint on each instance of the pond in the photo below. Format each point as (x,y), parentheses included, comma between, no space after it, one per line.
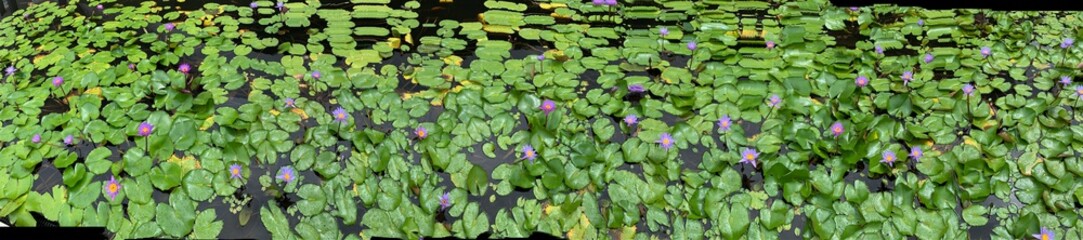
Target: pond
(575,119)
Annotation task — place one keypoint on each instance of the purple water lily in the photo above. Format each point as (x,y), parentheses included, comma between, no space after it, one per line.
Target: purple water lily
(1067,43)
(770,44)
(916,153)
(528,153)
(598,2)
(235,171)
(692,45)
(548,106)
(854,9)
(1065,80)
(421,132)
(611,2)
(836,129)
(36,138)
(445,201)
(112,188)
(540,57)
(928,57)
(131,66)
(630,120)
(316,74)
(968,89)
(286,174)
(100,7)
(1079,91)
(57,81)
(861,81)
(145,129)
(666,141)
(290,103)
(636,88)
(724,123)
(1044,234)
(889,158)
(184,68)
(986,51)
(663,31)
(253,5)
(10,70)
(907,76)
(774,101)
(749,156)
(169,27)
(340,115)
(280,6)
(68,140)
(879,49)
(921,22)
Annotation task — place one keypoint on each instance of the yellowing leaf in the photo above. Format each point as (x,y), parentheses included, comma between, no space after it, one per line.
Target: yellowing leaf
(300,112)
(94,91)
(187,163)
(394,42)
(207,123)
(274,112)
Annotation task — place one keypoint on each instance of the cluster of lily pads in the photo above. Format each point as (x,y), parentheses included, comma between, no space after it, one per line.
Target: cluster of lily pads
(582,119)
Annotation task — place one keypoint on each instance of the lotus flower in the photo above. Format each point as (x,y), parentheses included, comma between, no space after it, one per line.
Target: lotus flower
(548,106)
(10,70)
(316,74)
(861,81)
(774,101)
(968,89)
(57,81)
(889,158)
(916,153)
(636,88)
(836,129)
(290,103)
(184,68)
(69,140)
(528,153)
(145,129)
(1067,43)
(666,141)
(286,174)
(928,57)
(663,31)
(1045,234)
(235,171)
(879,49)
(630,119)
(907,76)
(169,27)
(986,51)
(340,115)
(921,22)
(253,5)
(692,45)
(724,123)
(421,132)
(749,156)
(1066,80)
(770,44)
(445,201)
(36,138)
(112,188)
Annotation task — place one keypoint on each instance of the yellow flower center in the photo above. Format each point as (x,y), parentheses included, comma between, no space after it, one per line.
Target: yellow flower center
(286,176)
(529,154)
(236,171)
(113,187)
(421,133)
(749,156)
(1045,236)
(838,129)
(725,124)
(665,141)
(890,158)
(341,115)
(145,130)
(1080,91)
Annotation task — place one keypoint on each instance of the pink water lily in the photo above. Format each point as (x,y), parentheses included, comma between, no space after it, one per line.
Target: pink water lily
(861,81)
(112,188)
(421,132)
(836,129)
(57,81)
(548,106)
(145,129)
